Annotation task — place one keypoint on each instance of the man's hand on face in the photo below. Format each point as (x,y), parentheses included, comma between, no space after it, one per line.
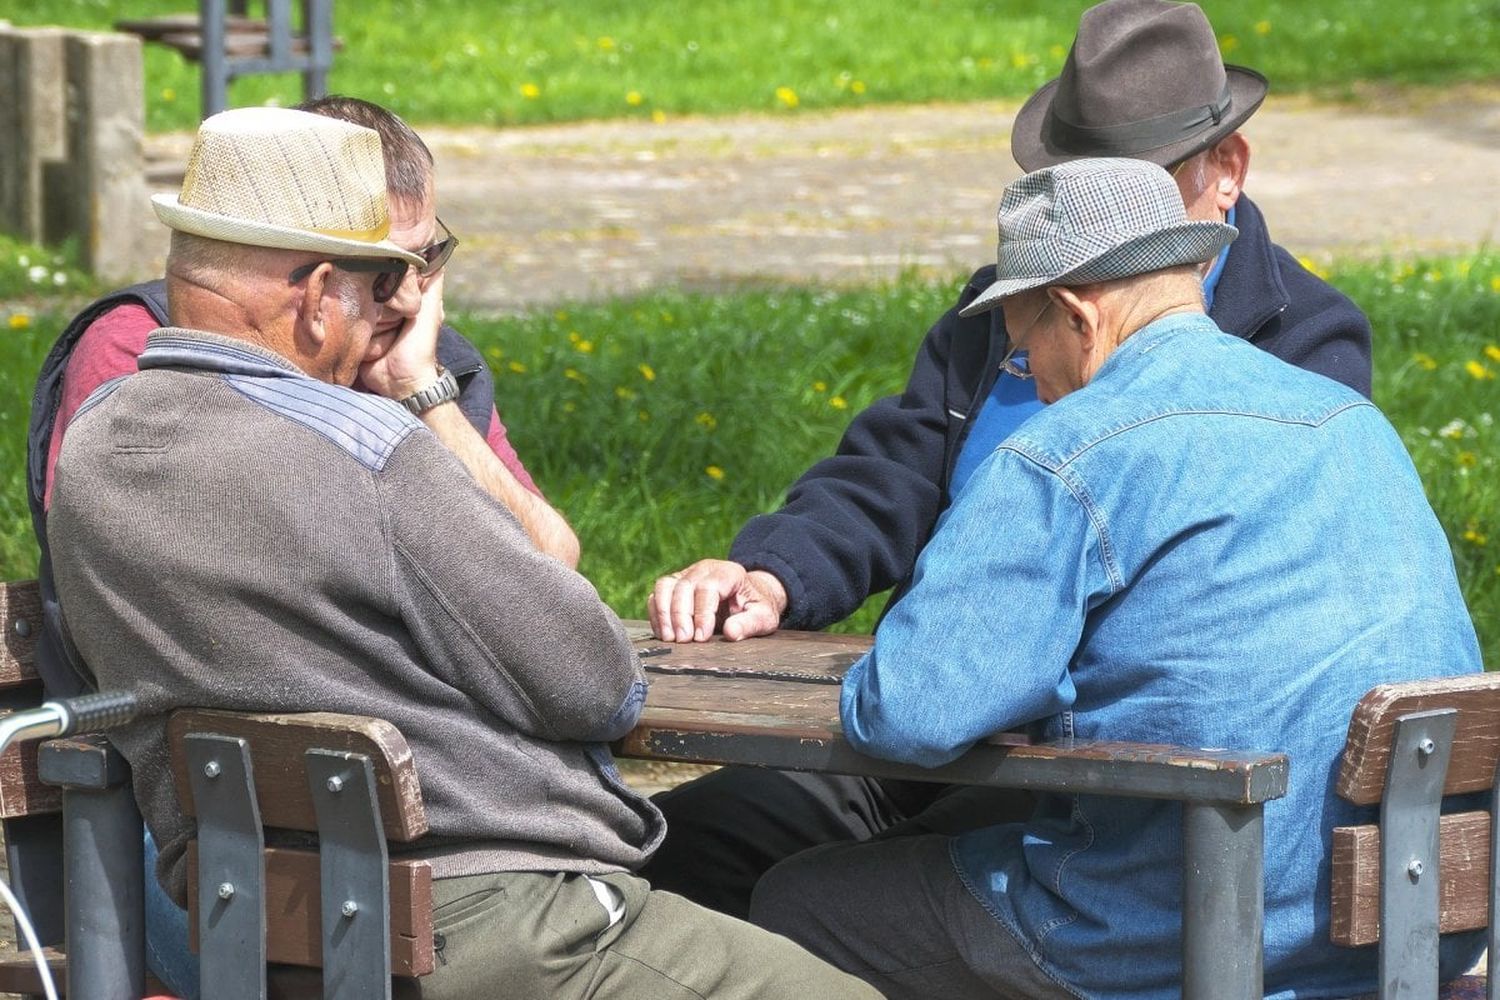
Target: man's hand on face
(685,606)
(409,364)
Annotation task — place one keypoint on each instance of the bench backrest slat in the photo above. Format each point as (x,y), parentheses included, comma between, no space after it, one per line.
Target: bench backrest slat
(1476,744)
(294,923)
(278,743)
(21,615)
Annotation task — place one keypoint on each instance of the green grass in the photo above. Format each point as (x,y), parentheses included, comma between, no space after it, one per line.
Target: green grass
(658,425)
(521,61)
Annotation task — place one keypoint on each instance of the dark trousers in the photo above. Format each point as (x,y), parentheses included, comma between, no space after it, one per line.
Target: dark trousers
(727,829)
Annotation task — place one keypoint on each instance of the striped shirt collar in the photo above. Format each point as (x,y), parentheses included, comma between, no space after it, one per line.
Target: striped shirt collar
(176,347)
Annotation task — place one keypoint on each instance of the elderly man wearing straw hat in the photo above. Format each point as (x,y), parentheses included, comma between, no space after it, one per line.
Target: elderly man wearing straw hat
(235,527)
(1194,543)
(1144,79)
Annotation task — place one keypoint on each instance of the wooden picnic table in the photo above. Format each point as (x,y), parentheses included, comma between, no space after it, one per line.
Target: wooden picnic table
(774,702)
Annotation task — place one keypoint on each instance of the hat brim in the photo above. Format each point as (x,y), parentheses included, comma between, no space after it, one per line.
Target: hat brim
(1032,148)
(214,226)
(1089,257)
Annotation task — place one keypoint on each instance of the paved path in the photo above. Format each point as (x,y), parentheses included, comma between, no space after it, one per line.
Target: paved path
(604,208)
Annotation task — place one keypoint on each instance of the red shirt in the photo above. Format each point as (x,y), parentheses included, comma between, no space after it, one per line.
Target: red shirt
(109,347)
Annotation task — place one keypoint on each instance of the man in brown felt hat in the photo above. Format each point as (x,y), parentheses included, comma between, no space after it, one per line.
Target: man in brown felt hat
(235,526)
(1144,80)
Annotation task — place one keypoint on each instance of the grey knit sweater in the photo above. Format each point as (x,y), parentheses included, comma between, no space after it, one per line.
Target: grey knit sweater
(230,533)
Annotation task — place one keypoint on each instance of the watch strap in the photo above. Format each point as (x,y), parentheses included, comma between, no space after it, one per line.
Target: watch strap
(441,391)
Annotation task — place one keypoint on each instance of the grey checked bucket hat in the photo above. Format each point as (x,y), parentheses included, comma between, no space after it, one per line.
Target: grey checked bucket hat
(289,180)
(1094,220)
(1144,79)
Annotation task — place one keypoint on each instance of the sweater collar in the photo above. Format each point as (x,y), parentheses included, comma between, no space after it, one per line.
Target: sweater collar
(176,347)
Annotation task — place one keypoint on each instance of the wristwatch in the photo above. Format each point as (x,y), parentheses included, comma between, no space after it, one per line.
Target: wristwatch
(441,391)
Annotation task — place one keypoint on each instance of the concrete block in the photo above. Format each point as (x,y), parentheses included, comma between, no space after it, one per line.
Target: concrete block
(33,124)
(106,189)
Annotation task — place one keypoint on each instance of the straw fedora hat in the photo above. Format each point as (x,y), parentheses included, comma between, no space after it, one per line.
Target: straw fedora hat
(289,180)
(1094,220)
(1144,79)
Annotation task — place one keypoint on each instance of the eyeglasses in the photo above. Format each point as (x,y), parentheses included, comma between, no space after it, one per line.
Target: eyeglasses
(437,254)
(1020,367)
(388,271)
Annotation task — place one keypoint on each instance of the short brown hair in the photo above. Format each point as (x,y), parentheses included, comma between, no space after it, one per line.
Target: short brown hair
(408,161)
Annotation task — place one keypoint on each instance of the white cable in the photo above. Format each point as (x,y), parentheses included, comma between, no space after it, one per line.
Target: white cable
(23,922)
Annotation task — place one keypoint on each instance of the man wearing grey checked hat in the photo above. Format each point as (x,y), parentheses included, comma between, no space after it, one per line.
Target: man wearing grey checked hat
(235,526)
(1144,79)
(1193,544)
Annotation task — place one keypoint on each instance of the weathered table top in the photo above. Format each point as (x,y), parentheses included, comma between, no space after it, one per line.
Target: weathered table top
(774,701)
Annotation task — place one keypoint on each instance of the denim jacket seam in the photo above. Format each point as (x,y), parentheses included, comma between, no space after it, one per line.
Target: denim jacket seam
(1076,486)
(1309,420)
(1057,872)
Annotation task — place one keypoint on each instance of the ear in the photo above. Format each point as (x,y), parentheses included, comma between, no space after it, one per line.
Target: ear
(1080,316)
(312,310)
(1231,160)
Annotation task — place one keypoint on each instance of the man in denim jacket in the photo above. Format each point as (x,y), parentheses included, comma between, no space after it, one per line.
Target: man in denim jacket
(1144,79)
(1194,543)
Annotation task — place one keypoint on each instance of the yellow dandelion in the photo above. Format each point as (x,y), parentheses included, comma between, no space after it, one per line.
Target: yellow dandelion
(584,347)
(714,472)
(1478,370)
(494,353)
(1474,537)
(838,403)
(1424,361)
(647,372)
(820,386)
(1262,27)
(1495,283)
(634,98)
(517,367)
(1492,352)
(787,96)
(19,321)
(857,87)
(574,374)
(607,43)
(658,116)
(1433,275)
(168,94)
(623,393)
(1312,265)
(1228,43)
(706,420)
(642,416)
(1020,60)
(530,91)
(1467,460)
(570,407)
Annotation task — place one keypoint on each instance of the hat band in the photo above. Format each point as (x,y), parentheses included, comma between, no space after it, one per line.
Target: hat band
(1134,137)
(361,235)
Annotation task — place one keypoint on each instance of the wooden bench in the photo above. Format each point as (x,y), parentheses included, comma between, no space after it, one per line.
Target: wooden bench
(1420,873)
(343,906)
(229,44)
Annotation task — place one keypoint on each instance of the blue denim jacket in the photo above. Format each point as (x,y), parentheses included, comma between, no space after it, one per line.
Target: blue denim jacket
(1204,546)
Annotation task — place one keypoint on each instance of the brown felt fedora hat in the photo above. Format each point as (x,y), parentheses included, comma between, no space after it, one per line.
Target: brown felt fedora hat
(1145,80)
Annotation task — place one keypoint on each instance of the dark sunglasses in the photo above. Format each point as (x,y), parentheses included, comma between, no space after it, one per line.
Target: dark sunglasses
(388,272)
(437,254)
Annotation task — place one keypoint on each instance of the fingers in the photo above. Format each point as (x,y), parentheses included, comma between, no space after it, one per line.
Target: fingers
(685,606)
(756,619)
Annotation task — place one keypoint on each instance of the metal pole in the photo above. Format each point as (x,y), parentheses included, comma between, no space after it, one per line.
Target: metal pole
(1223,901)
(104,882)
(214,59)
